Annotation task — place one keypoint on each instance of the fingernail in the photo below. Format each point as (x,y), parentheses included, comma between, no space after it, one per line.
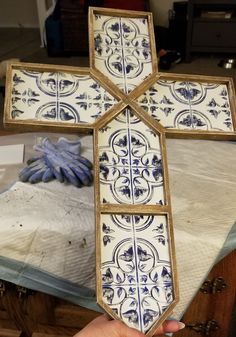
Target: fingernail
(181,325)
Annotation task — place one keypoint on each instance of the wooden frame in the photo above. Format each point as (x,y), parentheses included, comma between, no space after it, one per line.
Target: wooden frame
(37,87)
(112,210)
(121,43)
(221,83)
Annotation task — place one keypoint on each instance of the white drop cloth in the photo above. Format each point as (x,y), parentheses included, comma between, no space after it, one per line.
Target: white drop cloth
(51,226)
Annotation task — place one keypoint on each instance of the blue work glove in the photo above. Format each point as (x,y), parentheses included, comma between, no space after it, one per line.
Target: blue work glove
(36,171)
(61,161)
(65,161)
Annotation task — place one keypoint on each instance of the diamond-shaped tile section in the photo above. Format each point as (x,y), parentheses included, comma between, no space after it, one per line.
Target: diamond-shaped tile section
(130,157)
(189,105)
(136,273)
(57,97)
(122,49)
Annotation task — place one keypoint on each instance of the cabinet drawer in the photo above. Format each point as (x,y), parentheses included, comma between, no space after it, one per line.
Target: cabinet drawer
(214,34)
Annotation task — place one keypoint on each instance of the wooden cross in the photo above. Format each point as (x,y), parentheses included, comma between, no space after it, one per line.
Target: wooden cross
(130,108)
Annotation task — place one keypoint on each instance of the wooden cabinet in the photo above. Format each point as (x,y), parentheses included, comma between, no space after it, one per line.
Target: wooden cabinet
(24,313)
(210,313)
(214,35)
(74,21)
(74,27)
(211,27)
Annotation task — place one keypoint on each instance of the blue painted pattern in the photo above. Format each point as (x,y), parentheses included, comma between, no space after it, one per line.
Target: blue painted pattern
(189,105)
(136,271)
(122,50)
(130,162)
(58,97)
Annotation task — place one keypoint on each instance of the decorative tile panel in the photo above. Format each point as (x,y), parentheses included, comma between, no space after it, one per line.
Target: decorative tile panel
(122,49)
(130,162)
(136,271)
(189,105)
(136,268)
(57,96)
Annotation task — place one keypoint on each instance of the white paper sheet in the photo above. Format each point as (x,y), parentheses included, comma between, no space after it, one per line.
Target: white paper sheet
(11,154)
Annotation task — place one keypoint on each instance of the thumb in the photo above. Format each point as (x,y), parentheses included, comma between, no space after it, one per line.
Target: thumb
(169,326)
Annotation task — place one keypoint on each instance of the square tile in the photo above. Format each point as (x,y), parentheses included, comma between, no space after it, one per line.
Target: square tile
(57,97)
(189,105)
(122,49)
(130,157)
(136,272)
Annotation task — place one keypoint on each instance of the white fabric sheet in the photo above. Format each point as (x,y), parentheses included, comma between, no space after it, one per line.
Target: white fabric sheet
(51,226)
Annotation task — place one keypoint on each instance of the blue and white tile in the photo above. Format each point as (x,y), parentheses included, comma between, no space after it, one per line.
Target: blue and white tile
(122,50)
(159,103)
(217,108)
(57,97)
(136,275)
(189,105)
(130,157)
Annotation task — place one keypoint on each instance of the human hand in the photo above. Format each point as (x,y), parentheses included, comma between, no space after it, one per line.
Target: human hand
(103,327)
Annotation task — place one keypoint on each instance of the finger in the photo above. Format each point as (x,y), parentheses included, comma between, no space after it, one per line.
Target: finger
(86,170)
(82,175)
(48,175)
(27,172)
(24,174)
(71,177)
(169,326)
(56,169)
(36,177)
(85,161)
(33,159)
(100,319)
(32,167)
(89,175)
(58,174)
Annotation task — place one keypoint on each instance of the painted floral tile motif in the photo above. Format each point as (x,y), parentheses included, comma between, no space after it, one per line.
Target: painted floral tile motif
(189,105)
(136,273)
(57,97)
(130,162)
(122,49)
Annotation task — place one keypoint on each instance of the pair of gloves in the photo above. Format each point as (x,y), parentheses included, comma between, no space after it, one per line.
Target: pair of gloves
(61,161)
